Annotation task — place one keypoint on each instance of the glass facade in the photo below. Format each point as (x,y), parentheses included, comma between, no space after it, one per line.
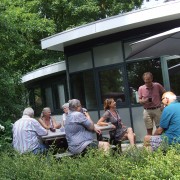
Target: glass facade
(102,72)
(49,93)
(108,54)
(83,88)
(174,75)
(38,102)
(135,71)
(111,84)
(48,97)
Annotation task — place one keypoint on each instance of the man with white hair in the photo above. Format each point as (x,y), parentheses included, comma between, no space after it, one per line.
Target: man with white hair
(26,132)
(169,129)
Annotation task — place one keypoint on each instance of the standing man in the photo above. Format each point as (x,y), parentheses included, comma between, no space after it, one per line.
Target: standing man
(169,128)
(150,97)
(26,132)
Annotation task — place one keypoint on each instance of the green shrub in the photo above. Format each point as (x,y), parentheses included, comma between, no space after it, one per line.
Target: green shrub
(6,136)
(131,164)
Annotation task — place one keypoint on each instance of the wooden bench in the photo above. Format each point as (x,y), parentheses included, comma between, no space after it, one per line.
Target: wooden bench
(69,154)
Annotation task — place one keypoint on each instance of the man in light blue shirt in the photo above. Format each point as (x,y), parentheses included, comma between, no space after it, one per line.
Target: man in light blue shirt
(26,132)
(169,129)
(79,130)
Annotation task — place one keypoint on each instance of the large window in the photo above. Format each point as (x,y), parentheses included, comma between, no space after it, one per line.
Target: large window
(108,54)
(135,71)
(112,85)
(49,93)
(36,100)
(55,95)
(48,97)
(80,62)
(174,75)
(59,95)
(83,88)
(38,103)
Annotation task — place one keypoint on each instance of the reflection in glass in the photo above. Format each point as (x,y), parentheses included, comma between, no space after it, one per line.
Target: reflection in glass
(136,70)
(48,97)
(83,89)
(38,101)
(56,96)
(174,75)
(111,85)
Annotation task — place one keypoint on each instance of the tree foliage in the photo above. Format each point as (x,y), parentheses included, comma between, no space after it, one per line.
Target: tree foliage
(23,23)
(71,13)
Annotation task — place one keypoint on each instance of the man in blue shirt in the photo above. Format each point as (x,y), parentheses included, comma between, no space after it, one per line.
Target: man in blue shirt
(169,128)
(79,130)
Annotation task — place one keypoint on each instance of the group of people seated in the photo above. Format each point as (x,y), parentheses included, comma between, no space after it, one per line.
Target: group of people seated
(79,127)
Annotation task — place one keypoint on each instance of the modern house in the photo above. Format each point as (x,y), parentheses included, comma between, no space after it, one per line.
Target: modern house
(97,65)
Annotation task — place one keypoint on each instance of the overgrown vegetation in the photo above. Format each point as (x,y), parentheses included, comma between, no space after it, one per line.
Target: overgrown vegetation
(132,164)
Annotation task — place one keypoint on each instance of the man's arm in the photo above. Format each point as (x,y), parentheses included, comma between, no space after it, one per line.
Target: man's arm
(142,100)
(41,131)
(162,89)
(159,131)
(86,121)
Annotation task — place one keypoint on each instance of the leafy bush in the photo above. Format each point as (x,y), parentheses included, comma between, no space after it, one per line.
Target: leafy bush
(12,96)
(131,164)
(6,135)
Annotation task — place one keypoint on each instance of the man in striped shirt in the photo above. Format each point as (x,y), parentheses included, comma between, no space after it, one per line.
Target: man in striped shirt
(26,132)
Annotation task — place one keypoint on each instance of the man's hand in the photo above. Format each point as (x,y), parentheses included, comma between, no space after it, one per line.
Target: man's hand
(113,126)
(98,131)
(144,101)
(159,131)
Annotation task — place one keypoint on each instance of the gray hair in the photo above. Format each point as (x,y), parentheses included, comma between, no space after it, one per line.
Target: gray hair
(73,104)
(29,112)
(44,110)
(66,105)
(170,95)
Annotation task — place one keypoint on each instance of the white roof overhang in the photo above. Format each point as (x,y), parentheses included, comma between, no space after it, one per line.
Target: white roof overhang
(44,71)
(134,19)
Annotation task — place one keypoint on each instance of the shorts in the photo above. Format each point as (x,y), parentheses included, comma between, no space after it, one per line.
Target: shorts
(150,116)
(155,142)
